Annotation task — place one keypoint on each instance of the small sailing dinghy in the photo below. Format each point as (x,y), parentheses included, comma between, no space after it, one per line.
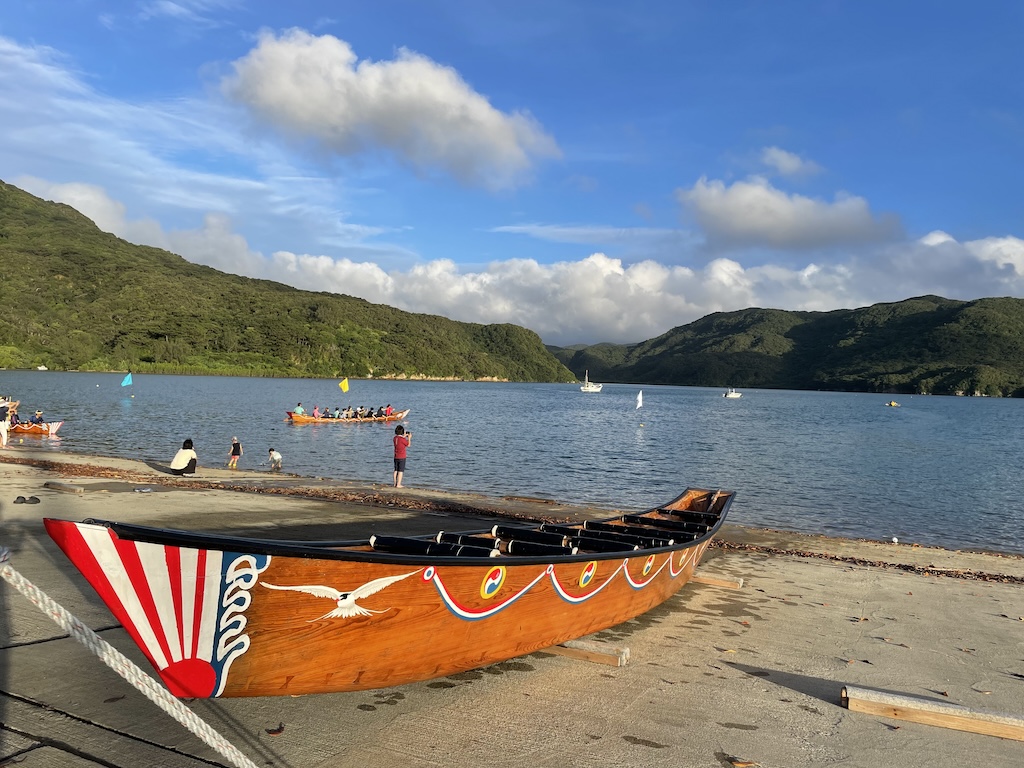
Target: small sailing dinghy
(588,385)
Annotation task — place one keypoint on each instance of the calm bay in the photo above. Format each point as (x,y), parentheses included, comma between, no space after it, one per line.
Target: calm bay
(940,471)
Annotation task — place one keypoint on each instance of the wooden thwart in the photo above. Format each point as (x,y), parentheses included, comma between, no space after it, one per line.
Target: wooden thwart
(716,581)
(591,650)
(928,712)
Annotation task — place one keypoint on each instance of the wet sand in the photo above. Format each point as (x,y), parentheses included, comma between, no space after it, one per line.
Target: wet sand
(716,676)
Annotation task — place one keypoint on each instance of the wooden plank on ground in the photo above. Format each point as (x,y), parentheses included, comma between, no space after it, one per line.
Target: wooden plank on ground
(55,485)
(928,712)
(593,651)
(716,581)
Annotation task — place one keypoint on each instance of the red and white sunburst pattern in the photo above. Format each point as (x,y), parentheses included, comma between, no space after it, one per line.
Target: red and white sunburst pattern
(183,607)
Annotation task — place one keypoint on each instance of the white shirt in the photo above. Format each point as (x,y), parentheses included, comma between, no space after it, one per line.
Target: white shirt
(182,458)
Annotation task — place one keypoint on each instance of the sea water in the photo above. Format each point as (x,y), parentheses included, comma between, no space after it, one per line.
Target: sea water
(936,471)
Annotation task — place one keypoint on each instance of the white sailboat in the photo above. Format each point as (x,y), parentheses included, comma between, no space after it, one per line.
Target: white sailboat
(588,385)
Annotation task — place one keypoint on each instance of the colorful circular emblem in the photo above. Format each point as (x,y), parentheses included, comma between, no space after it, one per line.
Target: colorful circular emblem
(428,574)
(648,564)
(492,582)
(588,573)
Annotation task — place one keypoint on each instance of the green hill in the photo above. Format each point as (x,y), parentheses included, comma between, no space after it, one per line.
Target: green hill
(75,298)
(926,345)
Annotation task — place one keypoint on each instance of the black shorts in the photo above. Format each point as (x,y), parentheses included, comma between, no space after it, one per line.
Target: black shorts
(399,465)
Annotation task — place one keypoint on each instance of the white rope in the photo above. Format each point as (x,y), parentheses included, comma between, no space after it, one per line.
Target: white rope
(121,664)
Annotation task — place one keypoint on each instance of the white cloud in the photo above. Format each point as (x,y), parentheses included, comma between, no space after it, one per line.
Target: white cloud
(787,163)
(1006,253)
(197,12)
(754,213)
(422,112)
(937,237)
(596,234)
(595,298)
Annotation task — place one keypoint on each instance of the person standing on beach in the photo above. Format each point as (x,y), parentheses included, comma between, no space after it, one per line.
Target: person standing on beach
(6,408)
(235,454)
(402,440)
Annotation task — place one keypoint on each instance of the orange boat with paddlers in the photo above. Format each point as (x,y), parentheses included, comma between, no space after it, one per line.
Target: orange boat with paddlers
(42,428)
(305,418)
(225,616)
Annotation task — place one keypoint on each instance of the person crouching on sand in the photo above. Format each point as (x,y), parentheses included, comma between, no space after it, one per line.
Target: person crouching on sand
(185,460)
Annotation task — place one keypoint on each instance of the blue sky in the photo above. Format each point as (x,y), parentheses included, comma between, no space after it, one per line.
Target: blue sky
(592,170)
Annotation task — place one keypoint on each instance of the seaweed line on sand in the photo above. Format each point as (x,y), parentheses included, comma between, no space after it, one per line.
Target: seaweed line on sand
(923,570)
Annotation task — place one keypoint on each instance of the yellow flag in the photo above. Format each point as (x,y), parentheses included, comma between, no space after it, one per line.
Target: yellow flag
(344,385)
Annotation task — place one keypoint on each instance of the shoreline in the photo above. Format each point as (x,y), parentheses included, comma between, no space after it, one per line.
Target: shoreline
(927,560)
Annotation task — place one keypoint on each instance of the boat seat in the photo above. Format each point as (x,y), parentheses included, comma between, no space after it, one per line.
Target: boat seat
(591,544)
(465,540)
(537,536)
(520,547)
(705,518)
(677,526)
(644,542)
(634,530)
(401,545)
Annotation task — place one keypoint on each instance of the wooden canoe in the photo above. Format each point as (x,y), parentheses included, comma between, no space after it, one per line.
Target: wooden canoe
(226,616)
(46,428)
(305,418)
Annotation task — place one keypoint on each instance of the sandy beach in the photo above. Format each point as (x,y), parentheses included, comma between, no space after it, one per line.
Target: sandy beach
(717,676)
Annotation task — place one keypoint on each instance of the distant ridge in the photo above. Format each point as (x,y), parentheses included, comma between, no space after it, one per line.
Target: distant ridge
(75,298)
(925,345)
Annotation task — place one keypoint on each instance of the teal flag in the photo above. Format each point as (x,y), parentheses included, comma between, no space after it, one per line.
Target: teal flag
(127,380)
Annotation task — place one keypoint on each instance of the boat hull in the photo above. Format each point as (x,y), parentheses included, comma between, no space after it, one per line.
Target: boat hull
(305,418)
(221,616)
(46,428)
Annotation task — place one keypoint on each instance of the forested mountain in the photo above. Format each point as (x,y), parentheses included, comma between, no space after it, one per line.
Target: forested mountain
(75,298)
(926,345)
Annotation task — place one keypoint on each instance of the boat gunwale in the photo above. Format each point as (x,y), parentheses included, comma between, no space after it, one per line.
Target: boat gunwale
(334,550)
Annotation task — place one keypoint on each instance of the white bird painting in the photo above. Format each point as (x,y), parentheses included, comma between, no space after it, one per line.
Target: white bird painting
(347,601)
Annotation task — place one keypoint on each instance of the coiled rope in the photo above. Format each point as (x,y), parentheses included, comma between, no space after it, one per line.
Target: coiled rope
(121,664)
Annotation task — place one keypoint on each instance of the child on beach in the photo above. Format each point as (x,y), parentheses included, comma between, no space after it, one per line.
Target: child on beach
(235,453)
(275,459)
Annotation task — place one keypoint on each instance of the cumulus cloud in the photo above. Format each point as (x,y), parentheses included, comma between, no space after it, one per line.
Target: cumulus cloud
(420,111)
(754,213)
(787,163)
(596,297)
(1006,253)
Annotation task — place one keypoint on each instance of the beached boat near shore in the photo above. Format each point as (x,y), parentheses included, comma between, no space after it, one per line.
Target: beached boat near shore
(305,418)
(226,616)
(45,428)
